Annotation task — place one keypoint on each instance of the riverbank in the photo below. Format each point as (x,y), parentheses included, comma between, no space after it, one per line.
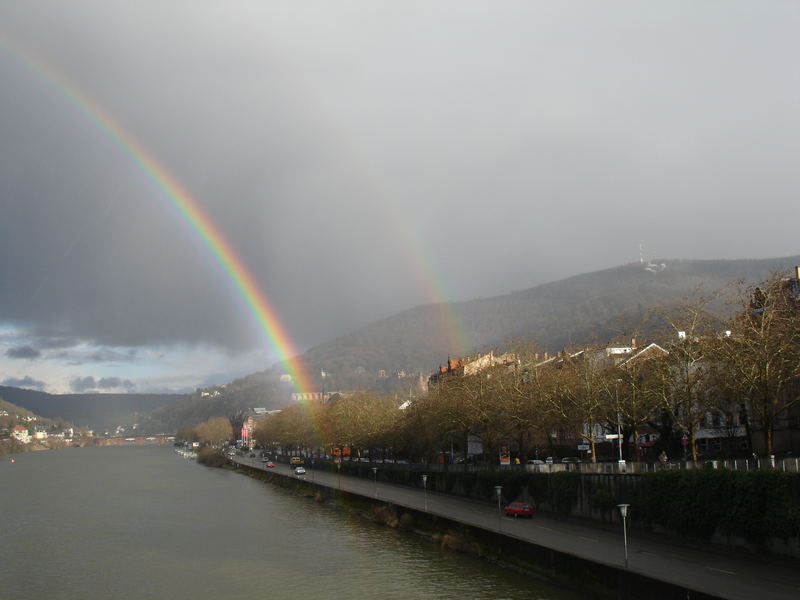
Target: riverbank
(474,530)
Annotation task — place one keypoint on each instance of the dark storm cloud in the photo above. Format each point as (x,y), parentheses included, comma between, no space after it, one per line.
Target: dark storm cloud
(25,382)
(359,155)
(26,352)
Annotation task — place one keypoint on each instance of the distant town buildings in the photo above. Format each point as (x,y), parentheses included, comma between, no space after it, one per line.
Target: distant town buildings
(251,418)
(20,433)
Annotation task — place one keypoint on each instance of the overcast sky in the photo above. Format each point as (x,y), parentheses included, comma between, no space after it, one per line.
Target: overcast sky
(359,156)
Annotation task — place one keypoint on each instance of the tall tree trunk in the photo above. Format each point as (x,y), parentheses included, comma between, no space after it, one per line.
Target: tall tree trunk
(768,438)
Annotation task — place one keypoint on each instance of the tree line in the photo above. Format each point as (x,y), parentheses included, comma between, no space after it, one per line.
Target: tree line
(702,372)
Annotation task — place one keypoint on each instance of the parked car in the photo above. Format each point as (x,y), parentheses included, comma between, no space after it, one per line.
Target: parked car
(570,459)
(299,471)
(535,461)
(519,509)
(549,460)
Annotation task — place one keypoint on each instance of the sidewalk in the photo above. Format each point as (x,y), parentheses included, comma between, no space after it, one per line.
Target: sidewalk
(726,574)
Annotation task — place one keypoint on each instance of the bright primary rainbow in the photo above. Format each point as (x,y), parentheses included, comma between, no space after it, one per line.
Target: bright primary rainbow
(186,206)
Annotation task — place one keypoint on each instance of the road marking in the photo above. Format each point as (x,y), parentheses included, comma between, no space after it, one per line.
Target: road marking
(647,553)
(543,527)
(587,538)
(721,570)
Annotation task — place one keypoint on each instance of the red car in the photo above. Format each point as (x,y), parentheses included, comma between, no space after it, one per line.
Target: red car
(270,464)
(519,509)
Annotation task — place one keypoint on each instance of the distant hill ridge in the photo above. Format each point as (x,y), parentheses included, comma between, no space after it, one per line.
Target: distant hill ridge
(570,311)
(595,306)
(97,411)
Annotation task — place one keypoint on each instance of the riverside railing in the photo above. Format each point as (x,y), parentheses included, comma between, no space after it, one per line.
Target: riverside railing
(789,464)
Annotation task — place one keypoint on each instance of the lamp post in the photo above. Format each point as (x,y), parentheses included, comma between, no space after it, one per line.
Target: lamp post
(498,489)
(623,510)
(375,478)
(425,490)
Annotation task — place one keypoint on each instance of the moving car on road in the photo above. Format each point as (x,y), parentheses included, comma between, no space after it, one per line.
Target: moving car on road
(519,509)
(299,471)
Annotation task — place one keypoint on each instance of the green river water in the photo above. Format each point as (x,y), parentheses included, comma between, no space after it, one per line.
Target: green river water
(143,522)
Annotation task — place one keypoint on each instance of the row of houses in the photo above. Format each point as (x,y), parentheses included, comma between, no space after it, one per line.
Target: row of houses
(22,434)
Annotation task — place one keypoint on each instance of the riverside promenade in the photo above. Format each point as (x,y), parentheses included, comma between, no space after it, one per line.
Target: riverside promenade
(708,570)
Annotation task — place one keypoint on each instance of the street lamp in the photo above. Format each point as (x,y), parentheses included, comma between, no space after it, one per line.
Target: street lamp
(425,490)
(375,477)
(498,489)
(623,510)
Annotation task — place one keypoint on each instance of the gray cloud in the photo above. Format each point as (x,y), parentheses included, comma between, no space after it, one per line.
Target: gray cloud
(54,342)
(105,383)
(26,352)
(108,355)
(83,384)
(25,382)
(89,383)
(359,157)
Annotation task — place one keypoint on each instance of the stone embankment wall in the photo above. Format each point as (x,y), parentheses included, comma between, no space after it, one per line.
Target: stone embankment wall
(756,510)
(601,581)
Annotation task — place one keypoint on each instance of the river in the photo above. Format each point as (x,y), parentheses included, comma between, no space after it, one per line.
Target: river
(143,522)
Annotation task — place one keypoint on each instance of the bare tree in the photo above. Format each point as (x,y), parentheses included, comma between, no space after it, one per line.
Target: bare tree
(681,376)
(214,431)
(759,361)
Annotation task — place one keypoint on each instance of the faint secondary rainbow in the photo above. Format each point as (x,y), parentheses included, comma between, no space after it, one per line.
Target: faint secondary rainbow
(429,277)
(182,201)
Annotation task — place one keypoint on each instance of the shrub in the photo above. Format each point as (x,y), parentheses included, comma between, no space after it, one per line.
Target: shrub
(564,490)
(211,457)
(602,499)
(754,505)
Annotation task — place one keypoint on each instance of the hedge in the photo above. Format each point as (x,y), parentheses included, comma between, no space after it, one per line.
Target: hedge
(751,504)
(754,505)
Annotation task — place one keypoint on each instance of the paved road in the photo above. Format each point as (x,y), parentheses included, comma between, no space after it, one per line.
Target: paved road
(715,572)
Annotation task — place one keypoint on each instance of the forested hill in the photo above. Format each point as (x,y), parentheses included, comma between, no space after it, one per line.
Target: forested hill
(592,306)
(595,306)
(97,411)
